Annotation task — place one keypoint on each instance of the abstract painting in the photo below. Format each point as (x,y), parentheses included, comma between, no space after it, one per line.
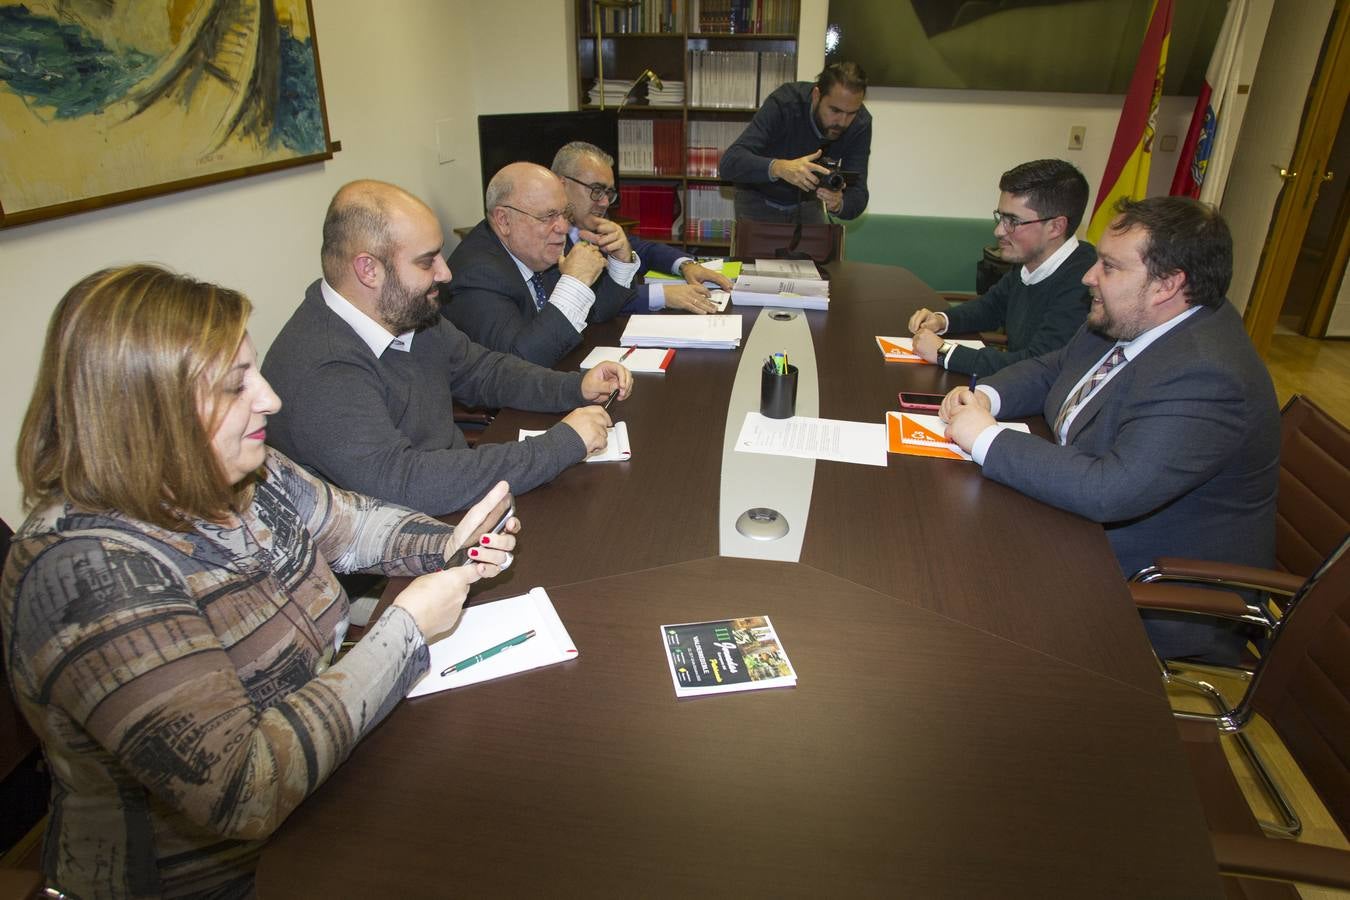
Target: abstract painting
(108,101)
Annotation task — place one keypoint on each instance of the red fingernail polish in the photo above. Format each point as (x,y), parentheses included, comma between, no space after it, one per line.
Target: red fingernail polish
(473,553)
(484,539)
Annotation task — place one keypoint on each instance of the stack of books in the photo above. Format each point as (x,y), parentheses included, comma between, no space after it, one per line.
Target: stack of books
(707,142)
(615,90)
(650,146)
(652,206)
(791,283)
(671,93)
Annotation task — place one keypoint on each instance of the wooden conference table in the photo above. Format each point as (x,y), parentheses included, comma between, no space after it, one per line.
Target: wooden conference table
(977,712)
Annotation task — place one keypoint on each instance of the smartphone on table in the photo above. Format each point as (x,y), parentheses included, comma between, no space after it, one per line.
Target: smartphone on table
(916,400)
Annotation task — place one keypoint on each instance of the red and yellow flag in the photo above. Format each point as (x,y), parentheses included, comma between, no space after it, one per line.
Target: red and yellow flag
(1126,172)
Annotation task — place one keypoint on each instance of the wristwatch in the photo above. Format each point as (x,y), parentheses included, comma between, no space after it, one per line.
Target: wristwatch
(686,264)
(943,349)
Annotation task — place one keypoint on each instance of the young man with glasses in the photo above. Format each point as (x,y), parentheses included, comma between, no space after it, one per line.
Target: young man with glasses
(588,178)
(1041,301)
(521,286)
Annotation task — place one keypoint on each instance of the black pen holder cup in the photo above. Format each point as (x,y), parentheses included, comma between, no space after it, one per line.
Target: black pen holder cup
(778,393)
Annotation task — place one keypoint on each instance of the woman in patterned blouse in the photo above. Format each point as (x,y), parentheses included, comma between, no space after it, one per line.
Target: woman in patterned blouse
(169,610)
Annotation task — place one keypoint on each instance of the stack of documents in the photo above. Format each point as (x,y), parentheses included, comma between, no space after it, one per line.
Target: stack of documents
(806,437)
(616,89)
(793,293)
(699,332)
(647,362)
(671,93)
(901,349)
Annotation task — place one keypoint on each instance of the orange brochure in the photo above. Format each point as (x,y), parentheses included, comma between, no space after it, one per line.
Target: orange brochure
(901,349)
(915,434)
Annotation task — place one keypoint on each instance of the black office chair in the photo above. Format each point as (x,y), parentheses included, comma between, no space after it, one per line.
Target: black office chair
(1301,687)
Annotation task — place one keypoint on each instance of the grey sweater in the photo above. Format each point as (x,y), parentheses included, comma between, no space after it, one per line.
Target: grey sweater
(383,426)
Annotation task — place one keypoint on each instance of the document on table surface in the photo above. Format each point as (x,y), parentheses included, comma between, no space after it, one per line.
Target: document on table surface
(809,438)
(617,448)
(484,627)
(787,268)
(729,269)
(803,287)
(901,349)
(916,434)
(646,361)
(719,299)
(710,332)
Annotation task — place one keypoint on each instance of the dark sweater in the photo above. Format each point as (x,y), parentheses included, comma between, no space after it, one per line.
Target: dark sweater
(384,426)
(783,129)
(1038,317)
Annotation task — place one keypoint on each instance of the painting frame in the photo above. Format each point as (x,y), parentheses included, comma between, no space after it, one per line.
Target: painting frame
(266,159)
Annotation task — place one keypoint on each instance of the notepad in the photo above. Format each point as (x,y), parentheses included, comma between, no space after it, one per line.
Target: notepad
(901,349)
(729,269)
(699,332)
(617,448)
(485,625)
(651,361)
(916,434)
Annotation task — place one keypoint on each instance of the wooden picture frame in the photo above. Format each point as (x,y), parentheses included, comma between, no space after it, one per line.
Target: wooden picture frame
(105,107)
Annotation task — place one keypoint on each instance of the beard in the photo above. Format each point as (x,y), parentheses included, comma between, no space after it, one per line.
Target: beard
(402,309)
(1124,328)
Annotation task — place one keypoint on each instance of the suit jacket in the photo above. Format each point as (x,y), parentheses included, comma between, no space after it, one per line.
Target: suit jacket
(494,306)
(1177,454)
(656,257)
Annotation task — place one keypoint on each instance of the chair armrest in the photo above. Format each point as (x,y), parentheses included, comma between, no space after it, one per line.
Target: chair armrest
(1179,598)
(1263,857)
(1175,568)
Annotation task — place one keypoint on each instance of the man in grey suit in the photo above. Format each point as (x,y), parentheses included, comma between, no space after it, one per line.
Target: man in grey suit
(1166,427)
(369,371)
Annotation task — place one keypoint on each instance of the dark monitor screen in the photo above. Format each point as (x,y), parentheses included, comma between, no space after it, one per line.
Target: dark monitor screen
(536,137)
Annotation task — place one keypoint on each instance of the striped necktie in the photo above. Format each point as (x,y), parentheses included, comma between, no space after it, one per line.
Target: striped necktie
(540,295)
(1074,400)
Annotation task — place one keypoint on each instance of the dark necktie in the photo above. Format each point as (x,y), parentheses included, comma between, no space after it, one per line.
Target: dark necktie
(1116,357)
(540,295)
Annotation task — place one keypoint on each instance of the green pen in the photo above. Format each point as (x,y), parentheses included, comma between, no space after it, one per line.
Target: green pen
(491,651)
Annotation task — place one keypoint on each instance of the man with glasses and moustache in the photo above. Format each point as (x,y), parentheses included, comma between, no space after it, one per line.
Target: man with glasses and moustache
(521,286)
(588,178)
(1040,302)
(369,370)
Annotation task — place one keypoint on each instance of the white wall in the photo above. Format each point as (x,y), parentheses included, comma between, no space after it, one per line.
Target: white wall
(388,78)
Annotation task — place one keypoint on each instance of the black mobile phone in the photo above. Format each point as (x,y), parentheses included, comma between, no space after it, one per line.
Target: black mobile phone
(913,400)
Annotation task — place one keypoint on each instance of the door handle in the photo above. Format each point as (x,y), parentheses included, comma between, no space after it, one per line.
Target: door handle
(1284,173)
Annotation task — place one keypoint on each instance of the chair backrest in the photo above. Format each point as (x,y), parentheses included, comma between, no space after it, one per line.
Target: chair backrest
(750,239)
(1302,687)
(1313,510)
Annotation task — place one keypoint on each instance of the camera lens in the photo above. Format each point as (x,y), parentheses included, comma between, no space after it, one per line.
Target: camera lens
(834,181)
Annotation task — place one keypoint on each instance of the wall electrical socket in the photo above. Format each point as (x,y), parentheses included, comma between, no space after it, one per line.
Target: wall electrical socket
(1076,136)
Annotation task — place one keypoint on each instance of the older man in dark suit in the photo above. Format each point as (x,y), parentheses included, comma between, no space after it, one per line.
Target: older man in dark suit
(519,287)
(1166,428)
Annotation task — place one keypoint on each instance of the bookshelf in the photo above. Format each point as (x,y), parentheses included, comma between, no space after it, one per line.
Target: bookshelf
(717,61)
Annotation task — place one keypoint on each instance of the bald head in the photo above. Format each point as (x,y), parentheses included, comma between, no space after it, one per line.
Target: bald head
(527,210)
(362,218)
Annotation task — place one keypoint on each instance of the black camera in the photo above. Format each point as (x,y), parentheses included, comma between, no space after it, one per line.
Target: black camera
(836,178)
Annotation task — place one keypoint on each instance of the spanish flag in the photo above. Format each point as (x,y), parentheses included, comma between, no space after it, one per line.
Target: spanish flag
(1126,172)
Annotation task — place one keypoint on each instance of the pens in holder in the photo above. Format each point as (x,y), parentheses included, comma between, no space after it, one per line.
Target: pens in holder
(489,652)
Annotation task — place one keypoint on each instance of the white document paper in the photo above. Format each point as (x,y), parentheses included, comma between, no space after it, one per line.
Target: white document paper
(787,268)
(617,448)
(485,626)
(802,287)
(719,299)
(808,438)
(710,332)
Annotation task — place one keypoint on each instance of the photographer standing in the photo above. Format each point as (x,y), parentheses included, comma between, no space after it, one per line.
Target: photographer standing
(808,143)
